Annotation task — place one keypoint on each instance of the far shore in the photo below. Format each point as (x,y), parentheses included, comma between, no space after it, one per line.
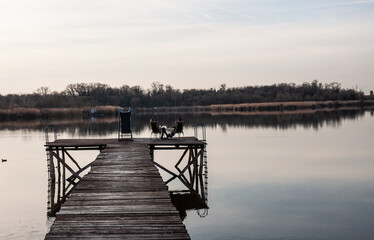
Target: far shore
(264,107)
(243,109)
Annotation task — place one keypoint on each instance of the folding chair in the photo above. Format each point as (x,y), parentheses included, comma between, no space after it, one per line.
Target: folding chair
(124,124)
(179,128)
(155,129)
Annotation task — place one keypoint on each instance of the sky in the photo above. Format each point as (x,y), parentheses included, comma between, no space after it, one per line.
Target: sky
(185,44)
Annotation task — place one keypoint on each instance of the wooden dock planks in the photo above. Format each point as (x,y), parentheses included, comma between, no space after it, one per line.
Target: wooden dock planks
(122,197)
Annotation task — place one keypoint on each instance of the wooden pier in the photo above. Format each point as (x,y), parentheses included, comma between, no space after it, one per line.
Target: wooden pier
(123,195)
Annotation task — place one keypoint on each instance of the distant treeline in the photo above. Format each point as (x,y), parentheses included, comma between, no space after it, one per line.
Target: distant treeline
(98,94)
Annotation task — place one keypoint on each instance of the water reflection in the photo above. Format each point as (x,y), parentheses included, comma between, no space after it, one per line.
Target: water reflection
(283,181)
(189,200)
(109,126)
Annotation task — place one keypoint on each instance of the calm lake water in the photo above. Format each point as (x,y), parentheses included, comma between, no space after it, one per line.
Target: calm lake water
(300,176)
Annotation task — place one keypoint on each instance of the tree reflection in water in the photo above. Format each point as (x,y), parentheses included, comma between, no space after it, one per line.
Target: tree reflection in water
(108,126)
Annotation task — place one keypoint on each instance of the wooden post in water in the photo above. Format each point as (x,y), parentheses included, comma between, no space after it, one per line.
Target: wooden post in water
(63,175)
(52,178)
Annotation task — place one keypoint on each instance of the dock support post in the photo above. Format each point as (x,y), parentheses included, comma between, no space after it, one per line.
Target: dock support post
(52,178)
(151,151)
(63,175)
(59,176)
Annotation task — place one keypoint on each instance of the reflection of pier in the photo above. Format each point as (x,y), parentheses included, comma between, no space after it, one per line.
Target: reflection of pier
(187,200)
(123,194)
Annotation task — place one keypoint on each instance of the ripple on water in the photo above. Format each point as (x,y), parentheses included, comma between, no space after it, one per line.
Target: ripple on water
(30,229)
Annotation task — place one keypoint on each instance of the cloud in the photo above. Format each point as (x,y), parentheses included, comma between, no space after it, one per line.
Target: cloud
(185,44)
(356,2)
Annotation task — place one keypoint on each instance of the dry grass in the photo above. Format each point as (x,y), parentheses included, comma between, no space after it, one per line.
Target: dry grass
(34,113)
(286,106)
(111,111)
(260,107)
(19,113)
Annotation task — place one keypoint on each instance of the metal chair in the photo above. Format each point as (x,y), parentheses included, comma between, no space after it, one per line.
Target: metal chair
(124,124)
(179,128)
(155,130)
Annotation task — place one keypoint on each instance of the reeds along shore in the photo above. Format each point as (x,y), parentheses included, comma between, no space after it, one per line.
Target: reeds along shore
(62,113)
(263,107)
(112,111)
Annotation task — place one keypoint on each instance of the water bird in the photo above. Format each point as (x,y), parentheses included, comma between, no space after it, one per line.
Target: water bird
(3,160)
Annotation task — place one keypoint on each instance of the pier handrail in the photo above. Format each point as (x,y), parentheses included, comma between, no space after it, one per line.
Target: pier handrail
(203,129)
(47,132)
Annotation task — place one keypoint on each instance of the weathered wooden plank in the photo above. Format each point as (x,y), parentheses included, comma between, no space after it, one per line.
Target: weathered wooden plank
(75,228)
(133,220)
(119,218)
(122,195)
(88,202)
(120,162)
(119,208)
(122,182)
(123,212)
(163,236)
(109,177)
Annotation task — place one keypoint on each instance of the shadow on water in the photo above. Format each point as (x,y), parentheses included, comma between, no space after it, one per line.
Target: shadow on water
(109,126)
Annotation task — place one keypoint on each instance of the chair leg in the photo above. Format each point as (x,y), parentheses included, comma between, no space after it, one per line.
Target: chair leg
(156,135)
(179,135)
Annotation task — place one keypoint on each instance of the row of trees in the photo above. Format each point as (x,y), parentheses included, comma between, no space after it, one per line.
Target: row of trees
(96,94)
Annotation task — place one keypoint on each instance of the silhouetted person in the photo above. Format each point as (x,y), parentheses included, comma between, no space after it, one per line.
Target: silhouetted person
(175,127)
(160,129)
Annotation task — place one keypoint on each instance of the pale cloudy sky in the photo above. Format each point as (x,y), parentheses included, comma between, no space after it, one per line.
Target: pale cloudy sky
(187,44)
